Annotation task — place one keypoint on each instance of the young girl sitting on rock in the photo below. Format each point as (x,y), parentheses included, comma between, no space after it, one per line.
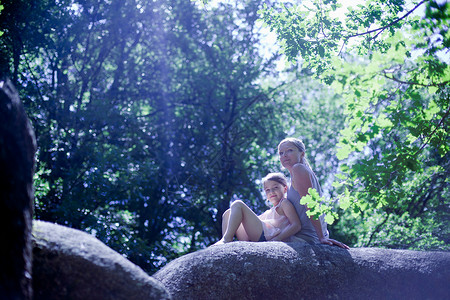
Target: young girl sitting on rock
(278,223)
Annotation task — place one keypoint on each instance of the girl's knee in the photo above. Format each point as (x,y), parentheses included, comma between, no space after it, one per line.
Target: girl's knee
(226,213)
(237,203)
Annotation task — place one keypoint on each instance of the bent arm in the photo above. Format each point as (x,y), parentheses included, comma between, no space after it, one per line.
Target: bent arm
(301,183)
(294,222)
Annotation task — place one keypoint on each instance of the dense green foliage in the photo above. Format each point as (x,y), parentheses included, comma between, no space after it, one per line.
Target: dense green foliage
(391,67)
(146,128)
(151,116)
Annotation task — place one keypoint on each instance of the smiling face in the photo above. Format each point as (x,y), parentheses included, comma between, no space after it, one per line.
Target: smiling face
(289,155)
(274,191)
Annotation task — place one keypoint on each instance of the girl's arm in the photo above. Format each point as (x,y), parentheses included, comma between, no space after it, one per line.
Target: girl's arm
(294,221)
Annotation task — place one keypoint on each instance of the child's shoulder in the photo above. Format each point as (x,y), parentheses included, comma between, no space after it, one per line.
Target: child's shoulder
(285,204)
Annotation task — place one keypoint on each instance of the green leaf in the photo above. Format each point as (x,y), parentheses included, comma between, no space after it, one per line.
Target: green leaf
(329,218)
(344,202)
(343,151)
(321,50)
(384,122)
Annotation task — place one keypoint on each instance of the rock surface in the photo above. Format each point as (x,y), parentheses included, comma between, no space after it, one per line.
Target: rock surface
(275,270)
(17,149)
(71,264)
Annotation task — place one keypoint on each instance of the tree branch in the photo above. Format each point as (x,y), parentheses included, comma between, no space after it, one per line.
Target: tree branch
(377,229)
(390,24)
(413,82)
(431,134)
(381,29)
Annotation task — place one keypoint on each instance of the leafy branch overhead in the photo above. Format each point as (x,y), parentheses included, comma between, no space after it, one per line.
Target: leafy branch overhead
(390,62)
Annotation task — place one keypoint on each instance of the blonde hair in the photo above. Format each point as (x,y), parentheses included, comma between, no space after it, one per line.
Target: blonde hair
(300,146)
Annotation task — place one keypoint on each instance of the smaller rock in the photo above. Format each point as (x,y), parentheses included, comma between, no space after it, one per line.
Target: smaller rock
(71,264)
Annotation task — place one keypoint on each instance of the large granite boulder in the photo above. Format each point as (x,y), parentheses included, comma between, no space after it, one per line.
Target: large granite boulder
(17,150)
(276,270)
(72,265)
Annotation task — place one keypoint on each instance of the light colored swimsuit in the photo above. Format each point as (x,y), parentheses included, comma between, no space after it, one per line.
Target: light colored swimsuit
(273,222)
(308,232)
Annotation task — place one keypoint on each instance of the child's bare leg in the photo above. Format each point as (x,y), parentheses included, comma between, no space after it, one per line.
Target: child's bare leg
(241,214)
(240,233)
(225,221)
(225,218)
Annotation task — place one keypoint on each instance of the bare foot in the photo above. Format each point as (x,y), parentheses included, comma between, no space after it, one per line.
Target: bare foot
(220,242)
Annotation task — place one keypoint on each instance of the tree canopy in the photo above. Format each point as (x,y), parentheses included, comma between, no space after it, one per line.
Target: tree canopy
(152,116)
(390,63)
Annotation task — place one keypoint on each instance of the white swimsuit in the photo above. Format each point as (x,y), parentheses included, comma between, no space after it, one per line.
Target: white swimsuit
(273,222)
